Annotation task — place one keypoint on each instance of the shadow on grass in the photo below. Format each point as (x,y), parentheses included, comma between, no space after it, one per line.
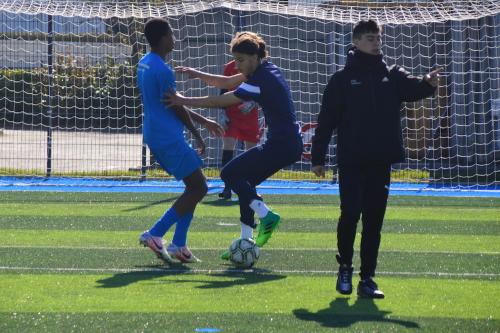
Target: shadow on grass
(236,277)
(150,272)
(209,200)
(151,204)
(341,314)
(217,202)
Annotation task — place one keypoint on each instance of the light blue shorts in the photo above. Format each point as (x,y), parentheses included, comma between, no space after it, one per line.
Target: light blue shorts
(178,159)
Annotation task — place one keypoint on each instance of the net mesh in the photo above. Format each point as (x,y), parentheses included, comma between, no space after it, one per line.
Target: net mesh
(69,103)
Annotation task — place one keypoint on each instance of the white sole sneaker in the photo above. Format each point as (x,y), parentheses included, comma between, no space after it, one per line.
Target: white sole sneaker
(147,240)
(182,254)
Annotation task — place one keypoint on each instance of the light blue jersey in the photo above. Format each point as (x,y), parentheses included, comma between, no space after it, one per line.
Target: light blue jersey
(161,127)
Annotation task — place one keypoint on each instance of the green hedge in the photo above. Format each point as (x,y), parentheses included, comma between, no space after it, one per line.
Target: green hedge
(85,97)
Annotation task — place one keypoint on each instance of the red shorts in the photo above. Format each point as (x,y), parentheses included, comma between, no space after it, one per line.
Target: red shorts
(243,127)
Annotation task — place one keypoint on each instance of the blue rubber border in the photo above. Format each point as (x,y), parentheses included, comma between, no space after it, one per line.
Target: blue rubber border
(55,184)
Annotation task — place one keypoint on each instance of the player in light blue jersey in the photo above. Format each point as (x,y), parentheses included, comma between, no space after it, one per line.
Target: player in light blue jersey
(163,131)
(260,81)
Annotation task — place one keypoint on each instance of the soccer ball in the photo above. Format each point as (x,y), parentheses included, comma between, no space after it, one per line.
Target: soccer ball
(243,252)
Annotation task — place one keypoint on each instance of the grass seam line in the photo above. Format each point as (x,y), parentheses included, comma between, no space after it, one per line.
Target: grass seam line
(236,270)
(312,249)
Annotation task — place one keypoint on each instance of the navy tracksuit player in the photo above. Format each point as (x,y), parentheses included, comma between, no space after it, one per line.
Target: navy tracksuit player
(262,82)
(363,103)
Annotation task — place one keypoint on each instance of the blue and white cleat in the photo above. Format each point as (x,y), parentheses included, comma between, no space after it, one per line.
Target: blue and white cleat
(156,245)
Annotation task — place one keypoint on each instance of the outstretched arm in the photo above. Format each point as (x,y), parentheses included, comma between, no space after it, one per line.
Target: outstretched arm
(413,88)
(173,98)
(218,81)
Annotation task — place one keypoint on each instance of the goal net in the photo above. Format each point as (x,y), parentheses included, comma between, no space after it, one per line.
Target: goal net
(69,105)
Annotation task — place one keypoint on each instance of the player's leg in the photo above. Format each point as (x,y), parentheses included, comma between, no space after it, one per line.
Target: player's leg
(250,169)
(235,174)
(250,139)
(195,190)
(275,156)
(247,224)
(376,192)
(153,238)
(183,162)
(239,129)
(351,198)
(228,144)
(249,134)
(246,212)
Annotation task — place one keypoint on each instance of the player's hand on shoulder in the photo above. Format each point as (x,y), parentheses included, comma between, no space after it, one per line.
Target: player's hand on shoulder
(318,170)
(214,128)
(191,72)
(433,77)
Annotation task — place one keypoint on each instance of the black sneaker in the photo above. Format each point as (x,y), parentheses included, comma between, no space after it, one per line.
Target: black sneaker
(225,194)
(344,278)
(368,289)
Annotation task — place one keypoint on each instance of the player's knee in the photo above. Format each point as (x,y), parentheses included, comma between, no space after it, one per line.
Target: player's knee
(203,190)
(198,191)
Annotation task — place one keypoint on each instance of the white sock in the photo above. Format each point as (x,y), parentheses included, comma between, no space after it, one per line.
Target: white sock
(259,207)
(246,231)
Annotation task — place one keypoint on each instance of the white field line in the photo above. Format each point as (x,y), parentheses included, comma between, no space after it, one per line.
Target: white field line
(311,249)
(234,270)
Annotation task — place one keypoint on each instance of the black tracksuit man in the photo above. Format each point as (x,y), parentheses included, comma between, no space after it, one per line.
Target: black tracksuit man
(363,103)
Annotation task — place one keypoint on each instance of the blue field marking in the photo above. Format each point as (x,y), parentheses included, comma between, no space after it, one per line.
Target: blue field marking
(55,184)
(208,330)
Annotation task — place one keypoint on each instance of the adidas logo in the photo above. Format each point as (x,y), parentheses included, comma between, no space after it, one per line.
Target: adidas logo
(385,79)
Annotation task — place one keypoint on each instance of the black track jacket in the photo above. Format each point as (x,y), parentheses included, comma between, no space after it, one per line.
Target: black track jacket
(363,102)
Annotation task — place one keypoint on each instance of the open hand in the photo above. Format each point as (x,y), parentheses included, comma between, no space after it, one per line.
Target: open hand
(191,72)
(433,77)
(200,145)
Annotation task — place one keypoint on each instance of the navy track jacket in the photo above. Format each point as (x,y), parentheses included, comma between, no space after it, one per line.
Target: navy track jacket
(363,103)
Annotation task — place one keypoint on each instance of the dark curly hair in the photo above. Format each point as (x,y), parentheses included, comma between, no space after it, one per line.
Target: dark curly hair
(155,29)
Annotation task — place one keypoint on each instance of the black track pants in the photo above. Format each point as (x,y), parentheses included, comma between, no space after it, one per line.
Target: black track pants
(364,190)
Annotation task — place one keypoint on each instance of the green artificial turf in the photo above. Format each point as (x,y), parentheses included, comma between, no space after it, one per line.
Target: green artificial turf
(71,262)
